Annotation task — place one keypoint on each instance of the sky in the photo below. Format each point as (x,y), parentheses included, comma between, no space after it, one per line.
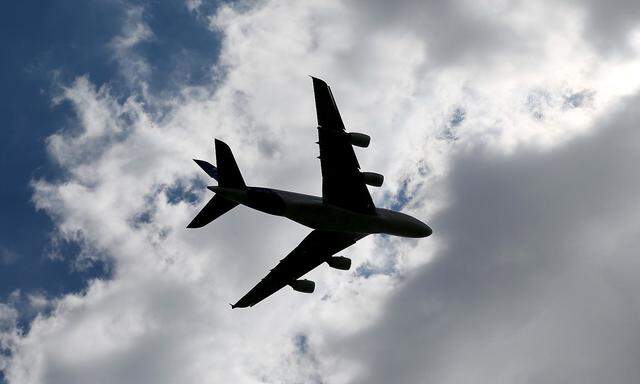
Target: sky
(510,127)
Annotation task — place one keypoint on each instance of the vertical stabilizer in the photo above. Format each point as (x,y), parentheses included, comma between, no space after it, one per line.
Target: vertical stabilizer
(229,175)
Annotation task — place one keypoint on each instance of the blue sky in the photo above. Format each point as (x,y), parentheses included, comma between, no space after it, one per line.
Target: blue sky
(46,45)
(510,128)
(40,40)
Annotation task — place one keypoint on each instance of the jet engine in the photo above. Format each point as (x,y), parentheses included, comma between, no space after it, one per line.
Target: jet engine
(359,139)
(303,285)
(339,262)
(373,179)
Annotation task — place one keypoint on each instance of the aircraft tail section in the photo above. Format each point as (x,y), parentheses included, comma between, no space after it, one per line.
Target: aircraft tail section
(215,208)
(210,170)
(229,175)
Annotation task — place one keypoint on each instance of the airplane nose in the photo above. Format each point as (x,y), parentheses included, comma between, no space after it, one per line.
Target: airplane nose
(426,230)
(421,229)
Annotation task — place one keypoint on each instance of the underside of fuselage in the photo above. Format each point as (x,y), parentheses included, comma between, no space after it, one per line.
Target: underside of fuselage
(313,212)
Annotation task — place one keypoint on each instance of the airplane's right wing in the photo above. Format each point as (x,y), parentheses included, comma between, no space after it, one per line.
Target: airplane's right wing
(314,250)
(342,181)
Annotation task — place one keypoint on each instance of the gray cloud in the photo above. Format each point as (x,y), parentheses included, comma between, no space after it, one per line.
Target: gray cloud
(450,30)
(609,23)
(537,281)
(470,33)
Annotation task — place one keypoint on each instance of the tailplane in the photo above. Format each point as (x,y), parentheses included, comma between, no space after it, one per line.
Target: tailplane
(228,175)
(211,170)
(215,208)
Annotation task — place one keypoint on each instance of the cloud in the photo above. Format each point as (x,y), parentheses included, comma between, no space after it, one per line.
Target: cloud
(496,82)
(536,276)
(9,333)
(133,66)
(193,5)
(450,31)
(612,27)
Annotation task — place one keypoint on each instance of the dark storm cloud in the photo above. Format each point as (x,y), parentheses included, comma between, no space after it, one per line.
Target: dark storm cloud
(538,278)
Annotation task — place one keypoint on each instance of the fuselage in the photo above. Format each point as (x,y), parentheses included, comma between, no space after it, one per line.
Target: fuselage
(313,212)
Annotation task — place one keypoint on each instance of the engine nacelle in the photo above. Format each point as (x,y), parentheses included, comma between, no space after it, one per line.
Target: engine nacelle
(359,139)
(339,262)
(373,179)
(303,285)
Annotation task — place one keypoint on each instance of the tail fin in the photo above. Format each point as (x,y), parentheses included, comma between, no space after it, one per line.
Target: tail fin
(228,173)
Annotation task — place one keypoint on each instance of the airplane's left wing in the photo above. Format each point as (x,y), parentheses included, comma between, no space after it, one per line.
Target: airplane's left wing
(314,250)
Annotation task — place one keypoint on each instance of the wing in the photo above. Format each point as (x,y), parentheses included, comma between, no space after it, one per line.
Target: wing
(315,249)
(342,182)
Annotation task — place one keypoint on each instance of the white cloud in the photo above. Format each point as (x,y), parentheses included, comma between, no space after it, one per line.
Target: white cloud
(522,79)
(193,5)
(133,67)
(38,302)
(9,334)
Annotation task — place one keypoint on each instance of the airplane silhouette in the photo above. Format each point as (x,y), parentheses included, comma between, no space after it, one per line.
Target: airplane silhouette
(343,215)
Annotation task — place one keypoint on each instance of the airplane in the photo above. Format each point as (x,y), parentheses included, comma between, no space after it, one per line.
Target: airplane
(343,215)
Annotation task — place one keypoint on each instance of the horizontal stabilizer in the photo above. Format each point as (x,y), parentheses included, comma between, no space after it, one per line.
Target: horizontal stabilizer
(215,208)
(210,169)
